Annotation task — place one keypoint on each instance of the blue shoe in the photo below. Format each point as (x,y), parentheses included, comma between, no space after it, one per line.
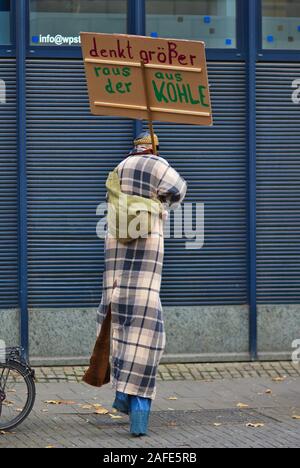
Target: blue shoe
(139,408)
(121,402)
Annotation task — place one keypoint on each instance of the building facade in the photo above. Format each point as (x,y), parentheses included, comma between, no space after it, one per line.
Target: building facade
(238,297)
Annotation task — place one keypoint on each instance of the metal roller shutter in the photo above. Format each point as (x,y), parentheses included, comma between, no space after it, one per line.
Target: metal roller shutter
(214,163)
(69,154)
(8,190)
(278,189)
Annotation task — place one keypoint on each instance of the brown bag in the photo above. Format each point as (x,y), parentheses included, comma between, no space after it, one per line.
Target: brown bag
(98,373)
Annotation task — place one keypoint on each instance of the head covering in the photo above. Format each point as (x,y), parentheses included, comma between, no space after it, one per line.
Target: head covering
(143,144)
(144,138)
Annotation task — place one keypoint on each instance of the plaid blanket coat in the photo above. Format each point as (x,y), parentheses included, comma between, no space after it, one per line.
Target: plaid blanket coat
(132,280)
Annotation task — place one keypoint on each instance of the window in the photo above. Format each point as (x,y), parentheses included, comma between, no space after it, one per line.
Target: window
(213,21)
(58,23)
(281,24)
(5,38)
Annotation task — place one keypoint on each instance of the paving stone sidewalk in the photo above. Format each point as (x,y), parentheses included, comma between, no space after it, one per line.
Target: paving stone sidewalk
(186,414)
(168,372)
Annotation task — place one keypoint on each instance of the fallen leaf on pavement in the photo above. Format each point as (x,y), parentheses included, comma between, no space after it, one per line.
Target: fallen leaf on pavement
(255,425)
(279,379)
(59,402)
(113,416)
(295,416)
(101,411)
(173,398)
(67,402)
(86,406)
(8,403)
(96,407)
(242,406)
(172,424)
(268,392)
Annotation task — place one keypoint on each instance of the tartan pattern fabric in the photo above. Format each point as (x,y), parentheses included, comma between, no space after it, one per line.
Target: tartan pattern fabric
(132,281)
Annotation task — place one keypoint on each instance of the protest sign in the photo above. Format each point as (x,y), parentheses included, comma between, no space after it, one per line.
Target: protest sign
(146,78)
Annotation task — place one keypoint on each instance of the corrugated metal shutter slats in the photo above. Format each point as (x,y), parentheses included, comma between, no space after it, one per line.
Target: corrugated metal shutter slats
(278,188)
(69,155)
(8,190)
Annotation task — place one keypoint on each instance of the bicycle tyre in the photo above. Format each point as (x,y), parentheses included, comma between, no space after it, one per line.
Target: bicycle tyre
(29,380)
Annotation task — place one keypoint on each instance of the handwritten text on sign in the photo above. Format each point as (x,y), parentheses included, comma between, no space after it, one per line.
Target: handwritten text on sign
(177,79)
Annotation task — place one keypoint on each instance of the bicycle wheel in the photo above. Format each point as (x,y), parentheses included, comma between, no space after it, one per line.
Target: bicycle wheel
(17,394)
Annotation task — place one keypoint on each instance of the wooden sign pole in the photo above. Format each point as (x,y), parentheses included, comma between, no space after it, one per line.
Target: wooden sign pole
(149,111)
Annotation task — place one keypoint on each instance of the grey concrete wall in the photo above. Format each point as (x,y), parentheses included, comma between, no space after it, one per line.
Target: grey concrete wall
(193,334)
(9,326)
(219,333)
(278,327)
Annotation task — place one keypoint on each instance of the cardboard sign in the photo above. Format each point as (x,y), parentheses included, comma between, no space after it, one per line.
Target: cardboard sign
(176,76)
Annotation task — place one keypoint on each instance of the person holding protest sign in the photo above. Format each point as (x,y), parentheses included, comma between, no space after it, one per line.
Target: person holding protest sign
(131,306)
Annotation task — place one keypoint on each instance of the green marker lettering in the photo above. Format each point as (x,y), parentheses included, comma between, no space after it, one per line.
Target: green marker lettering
(109,87)
(182,93)
(202,90)
(159,75)
(126,72)
(192,100)
(172,92)
(97,71)
(120,88)
(170,76)
(159,93)
(116,71)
